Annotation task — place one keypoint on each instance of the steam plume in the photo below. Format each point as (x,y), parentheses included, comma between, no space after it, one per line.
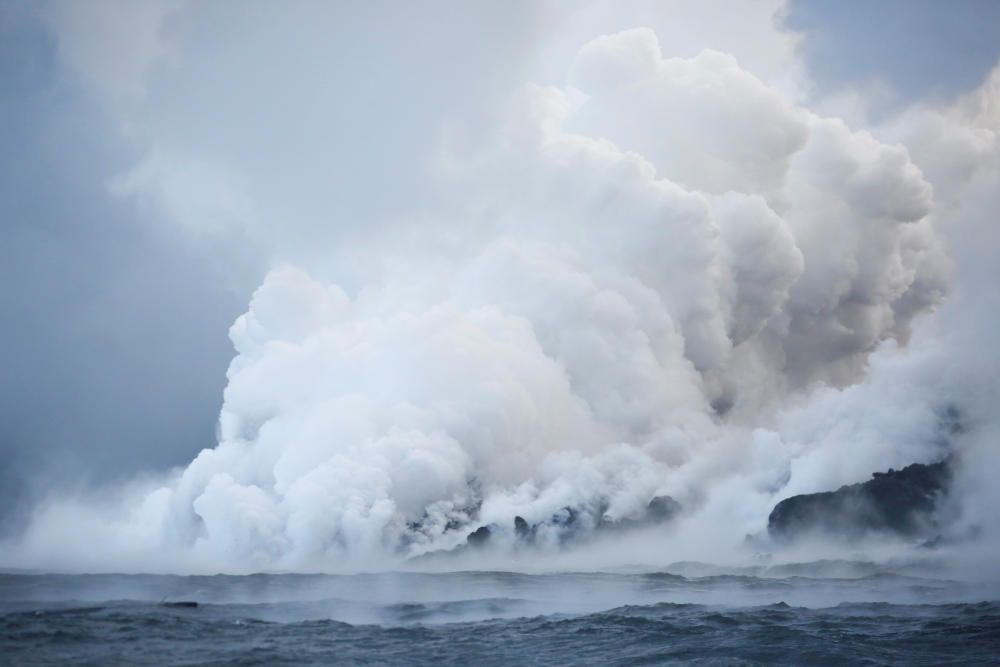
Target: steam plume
(660,277)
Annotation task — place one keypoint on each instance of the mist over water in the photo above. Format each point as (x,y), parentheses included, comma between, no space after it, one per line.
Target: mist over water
(500,618)
(607,273)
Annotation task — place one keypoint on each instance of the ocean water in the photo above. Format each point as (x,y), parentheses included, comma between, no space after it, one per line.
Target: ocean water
(689,615)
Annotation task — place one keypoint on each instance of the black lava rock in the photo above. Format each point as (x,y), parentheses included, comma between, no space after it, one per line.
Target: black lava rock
(478,537)
(522,529)
(661,509)
(901,502)
(576,523)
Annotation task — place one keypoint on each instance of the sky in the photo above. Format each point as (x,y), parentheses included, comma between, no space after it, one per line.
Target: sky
(165,164)
(106,314)
(915,49)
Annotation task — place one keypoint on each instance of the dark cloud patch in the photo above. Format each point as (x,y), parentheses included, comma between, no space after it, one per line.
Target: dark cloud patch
(920,47)
(113,338)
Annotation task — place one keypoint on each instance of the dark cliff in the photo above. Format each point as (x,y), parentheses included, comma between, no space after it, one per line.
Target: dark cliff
(901,502)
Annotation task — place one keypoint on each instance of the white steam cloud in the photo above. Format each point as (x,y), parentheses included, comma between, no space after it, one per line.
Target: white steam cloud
(660,277)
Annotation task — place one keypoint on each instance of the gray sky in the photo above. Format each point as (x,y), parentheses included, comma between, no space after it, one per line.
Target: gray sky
(113,342)
(918,47)
(114,338)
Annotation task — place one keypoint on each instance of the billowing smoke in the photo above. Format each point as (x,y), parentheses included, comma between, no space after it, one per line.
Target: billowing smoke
(660,278)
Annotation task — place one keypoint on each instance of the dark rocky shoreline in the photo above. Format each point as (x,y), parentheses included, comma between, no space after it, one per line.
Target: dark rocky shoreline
(896,502)
(901,502)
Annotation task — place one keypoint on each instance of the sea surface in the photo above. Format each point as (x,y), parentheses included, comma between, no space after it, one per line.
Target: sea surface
(830,615)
